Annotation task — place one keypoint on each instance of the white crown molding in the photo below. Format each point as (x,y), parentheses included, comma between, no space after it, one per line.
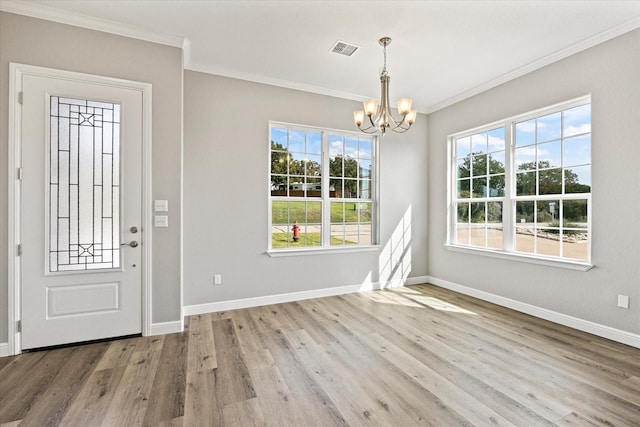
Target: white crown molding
(542,62)
(41,11)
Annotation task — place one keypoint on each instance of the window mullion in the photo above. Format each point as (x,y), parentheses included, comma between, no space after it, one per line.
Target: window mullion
(326,204)
(509,206)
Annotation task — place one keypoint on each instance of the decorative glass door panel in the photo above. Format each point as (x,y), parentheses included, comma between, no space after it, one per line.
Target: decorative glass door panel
(84,185)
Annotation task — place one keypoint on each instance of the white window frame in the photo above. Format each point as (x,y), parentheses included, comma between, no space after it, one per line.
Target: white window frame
(509,199)
(325,198)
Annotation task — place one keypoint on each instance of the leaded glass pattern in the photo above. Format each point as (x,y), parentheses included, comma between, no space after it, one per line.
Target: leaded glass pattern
(84,185)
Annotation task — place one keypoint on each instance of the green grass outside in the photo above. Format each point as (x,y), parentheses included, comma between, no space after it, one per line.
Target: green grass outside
(285,240)
(296,211)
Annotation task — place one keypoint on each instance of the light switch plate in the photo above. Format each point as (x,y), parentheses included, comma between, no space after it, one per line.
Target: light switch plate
(160,221)
(161,205)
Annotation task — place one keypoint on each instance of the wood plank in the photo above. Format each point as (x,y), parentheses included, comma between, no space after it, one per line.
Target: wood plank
(233,379)
(166,400)
(65,386)
(244,414)
(202,350)
(202,400)
(418,355)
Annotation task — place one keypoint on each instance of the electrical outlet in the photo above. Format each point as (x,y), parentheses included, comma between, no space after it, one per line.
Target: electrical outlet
(217,279)
(623,301)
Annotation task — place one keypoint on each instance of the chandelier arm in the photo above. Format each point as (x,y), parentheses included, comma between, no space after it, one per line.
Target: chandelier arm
(369,130)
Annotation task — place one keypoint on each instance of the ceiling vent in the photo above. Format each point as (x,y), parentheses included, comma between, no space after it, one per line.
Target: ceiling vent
(343,48)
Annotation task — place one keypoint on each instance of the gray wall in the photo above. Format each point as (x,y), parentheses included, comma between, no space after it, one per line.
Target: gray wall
(226,149)
(610,72)
(47,44)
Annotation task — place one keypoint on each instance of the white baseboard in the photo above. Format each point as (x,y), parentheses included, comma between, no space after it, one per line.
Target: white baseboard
(4,349)
(213,307)
(608,332)
(167,327)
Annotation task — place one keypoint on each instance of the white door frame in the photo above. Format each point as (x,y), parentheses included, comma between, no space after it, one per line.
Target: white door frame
(16,74)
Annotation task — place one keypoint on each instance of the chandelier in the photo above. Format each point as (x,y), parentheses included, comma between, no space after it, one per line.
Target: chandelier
(380,118)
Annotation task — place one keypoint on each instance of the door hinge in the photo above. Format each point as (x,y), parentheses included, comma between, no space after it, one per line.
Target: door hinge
(19,326)
(19,174)
(19,250)
(20,97)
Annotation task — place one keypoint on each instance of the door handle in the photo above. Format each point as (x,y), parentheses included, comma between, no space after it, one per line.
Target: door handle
(132,243)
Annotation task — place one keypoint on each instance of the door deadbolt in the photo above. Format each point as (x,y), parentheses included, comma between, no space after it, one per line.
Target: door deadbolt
(133,229)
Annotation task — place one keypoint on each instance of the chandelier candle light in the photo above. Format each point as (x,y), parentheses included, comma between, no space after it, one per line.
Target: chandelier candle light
(380,119)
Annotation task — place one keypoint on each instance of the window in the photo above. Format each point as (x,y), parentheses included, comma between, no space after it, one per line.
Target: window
(322,188)
(523,185)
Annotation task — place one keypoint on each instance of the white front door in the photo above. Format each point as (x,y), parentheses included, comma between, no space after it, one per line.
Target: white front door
(81,211)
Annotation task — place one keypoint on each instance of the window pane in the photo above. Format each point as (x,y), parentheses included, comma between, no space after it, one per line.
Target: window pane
(350,188)
(337,234)
(525,132)
(337,212)
(364,233)
(477,216)
(477,213)
(314,212)
(577,179)
(524,213)
(496,140)
(335,166)
(296,141)
(526,184)
(279,185)
(494,225)
(479,166)
(548,242)
(313,187)
(463,147)
(314,143)
(549,127)
(278,139)
(525,239)
(549,155)
(479,187)
(279,162)
(365,189)
(351,147)
(496,186)
(496,162)
(550,181)
(336,147)
(464,188)
(574,213)
(350,167)
(577,120)
(365,149)
(577,150)
(575,244)
(463,212)
(462,223)
(479,143)
(365,168)
(296,164)
(525,158)
(365,212)
(335,188)
(464,171)
(547,213)
(313,165)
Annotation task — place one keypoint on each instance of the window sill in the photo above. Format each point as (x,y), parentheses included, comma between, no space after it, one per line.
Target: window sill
(275,253)
(550,262)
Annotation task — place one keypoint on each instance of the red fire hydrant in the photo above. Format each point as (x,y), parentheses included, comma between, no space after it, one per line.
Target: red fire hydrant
(296,231)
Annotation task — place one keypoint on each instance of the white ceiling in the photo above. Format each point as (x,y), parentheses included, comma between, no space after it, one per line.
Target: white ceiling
(442,51)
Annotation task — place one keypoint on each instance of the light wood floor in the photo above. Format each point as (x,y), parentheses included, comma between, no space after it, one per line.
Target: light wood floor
(418,355)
